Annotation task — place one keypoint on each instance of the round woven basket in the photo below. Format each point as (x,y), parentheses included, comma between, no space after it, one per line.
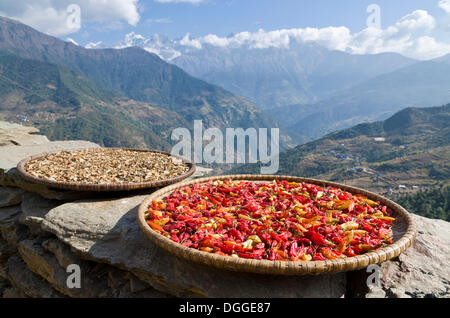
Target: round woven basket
(403,228)
(80,186)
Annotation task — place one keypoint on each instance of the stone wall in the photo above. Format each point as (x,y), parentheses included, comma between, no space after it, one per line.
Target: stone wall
(45,230)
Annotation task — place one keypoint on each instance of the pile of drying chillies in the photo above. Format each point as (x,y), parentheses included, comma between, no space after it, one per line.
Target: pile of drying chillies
(277,220)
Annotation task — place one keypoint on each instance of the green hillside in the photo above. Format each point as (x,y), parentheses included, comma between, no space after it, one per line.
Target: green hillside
(302,73)
(43,81)
(139,75)
(66,105)
(404,154)
(431,203)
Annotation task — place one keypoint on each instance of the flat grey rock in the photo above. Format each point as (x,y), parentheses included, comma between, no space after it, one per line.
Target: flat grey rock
(422,270)
(8,126)
(10,196)
(50,258)
(9,214)
(6,250)
(11,292)
(10,229)
(34,208)
(12,134)
(25,282)
(20,139)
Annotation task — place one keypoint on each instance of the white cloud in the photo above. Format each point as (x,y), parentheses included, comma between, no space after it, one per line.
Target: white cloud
(409,36)
(331,37)
(186,41)
(51,16)
(335,38)
(428,48)
(444,5)
(106,10)
(416,21)
(48,19)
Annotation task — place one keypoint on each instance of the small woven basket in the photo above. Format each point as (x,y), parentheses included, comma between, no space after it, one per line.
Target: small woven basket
(81,186)
(403,224)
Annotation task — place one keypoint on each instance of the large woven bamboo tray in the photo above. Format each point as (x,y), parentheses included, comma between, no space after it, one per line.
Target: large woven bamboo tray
(81,186)
(403,228)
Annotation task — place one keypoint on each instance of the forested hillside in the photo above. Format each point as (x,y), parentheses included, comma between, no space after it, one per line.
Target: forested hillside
(402,155)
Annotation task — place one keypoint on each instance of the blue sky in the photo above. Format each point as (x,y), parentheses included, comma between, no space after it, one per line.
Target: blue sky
(223,17)
(109,21)
(231,16)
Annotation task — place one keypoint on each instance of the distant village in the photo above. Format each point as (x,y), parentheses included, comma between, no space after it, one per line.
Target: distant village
(358,169)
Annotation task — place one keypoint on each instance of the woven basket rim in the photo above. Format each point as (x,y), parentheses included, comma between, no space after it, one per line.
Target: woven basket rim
(280,267)
(82,186)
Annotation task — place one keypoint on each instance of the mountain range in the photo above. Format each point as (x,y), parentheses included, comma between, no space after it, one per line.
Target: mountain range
(421,84)
(409,149)
(132,97)
(275,77)
(332,90)
(67,105)
(307,88)
(272,76)
(127,91)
